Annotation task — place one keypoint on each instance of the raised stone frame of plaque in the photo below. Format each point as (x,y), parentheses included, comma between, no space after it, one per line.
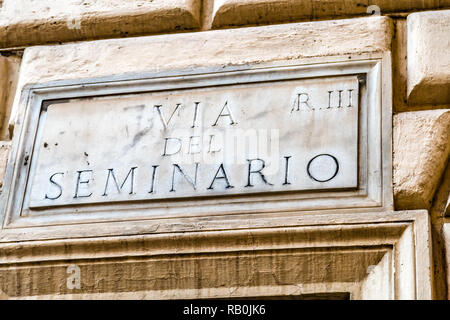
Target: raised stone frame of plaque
(367,187)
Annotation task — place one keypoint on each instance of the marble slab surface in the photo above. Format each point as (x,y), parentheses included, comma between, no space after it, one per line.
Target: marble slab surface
(274,136)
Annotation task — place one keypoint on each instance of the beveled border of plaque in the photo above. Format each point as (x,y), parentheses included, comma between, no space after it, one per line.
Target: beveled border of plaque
(374,192)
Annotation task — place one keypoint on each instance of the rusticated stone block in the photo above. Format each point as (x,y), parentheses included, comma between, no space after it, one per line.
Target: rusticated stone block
(421,152)
(28,22)
(245,12)
(428,58)
(3,88)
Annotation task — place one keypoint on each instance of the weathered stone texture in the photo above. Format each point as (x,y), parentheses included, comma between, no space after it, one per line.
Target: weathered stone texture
(9,74)
(351,253)
(421,152)
(447,207)
(31,22)
(204,49)
(3,88)
(25,22)
(399,65)
(245,12)
(446,231)
(429,58)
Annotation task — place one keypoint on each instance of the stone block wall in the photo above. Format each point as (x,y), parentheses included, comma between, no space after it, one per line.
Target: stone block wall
(417,35)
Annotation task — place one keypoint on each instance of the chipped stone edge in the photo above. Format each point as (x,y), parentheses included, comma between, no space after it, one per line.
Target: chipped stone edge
(36,32)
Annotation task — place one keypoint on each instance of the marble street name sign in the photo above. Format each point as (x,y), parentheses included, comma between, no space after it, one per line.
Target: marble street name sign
(277,136)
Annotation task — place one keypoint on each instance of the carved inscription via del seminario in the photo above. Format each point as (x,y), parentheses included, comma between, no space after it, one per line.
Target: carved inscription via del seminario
(277,136)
